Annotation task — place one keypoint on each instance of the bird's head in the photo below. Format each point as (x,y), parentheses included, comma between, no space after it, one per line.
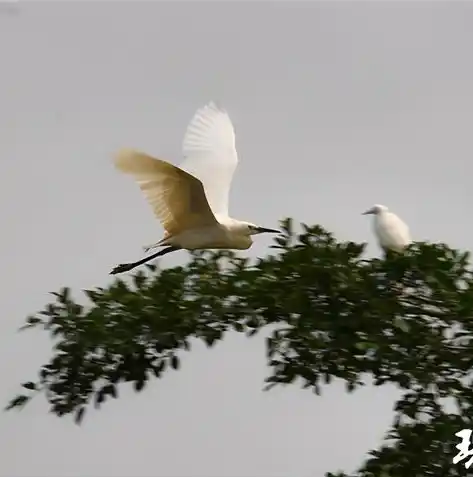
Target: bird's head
(251,229)
(376,210)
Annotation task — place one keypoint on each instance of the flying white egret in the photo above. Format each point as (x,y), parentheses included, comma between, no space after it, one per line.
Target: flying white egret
(193,211)
(392,233)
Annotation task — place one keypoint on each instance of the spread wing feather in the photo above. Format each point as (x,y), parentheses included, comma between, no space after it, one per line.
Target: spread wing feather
(177,198)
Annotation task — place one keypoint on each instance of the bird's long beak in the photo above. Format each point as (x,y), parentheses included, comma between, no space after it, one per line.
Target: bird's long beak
(369,211)
(262,230)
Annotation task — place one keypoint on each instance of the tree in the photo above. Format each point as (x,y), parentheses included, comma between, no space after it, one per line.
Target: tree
(404,319)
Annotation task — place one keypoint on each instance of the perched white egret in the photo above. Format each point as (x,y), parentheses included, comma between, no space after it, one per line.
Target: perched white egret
(193,211)
(392,233)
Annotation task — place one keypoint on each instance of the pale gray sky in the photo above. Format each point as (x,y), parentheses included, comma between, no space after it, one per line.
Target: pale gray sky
(336,106)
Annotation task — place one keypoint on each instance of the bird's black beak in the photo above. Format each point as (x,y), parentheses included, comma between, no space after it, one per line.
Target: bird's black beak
(262,230)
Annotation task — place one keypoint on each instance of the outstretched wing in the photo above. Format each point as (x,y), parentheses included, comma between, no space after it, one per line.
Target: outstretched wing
(210,154)
(176,197)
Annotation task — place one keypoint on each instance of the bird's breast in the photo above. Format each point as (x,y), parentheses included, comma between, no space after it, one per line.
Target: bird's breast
(392,233)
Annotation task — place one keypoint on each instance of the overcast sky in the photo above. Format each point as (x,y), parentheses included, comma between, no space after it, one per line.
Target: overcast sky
(336,106)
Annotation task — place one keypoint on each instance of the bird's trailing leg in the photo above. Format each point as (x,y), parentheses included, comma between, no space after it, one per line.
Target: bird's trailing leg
(126,267)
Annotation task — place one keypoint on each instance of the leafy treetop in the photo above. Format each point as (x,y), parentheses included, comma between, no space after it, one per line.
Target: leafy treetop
(404,319)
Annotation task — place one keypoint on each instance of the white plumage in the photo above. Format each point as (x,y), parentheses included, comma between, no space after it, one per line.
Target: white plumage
(392,233)
(191,201)
(210,155)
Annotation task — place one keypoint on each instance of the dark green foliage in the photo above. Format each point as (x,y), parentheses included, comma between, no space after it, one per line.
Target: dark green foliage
(406,319)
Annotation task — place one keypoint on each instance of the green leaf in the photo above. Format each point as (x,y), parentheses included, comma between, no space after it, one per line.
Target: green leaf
(139,279)
(139,384)
(350,386)
(111,390)
(175,363)
(401,324)
(18,401)
(99,398)
(79,415)
(63,295)
(281,241)
(93,295)
(366,345)
(269,386)
(159,368)
(286,226)
(185,345)
(31,321)
(327,378)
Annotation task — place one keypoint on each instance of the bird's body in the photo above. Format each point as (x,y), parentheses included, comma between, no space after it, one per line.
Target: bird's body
(191,201)
(221,235)
(392,233)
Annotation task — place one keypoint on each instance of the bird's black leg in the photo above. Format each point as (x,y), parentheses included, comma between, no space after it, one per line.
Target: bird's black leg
(126,267)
